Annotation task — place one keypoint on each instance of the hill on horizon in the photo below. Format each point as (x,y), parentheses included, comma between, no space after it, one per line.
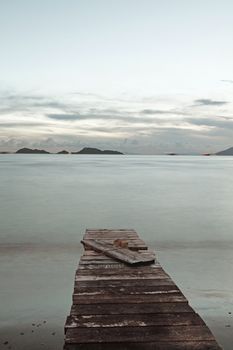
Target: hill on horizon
(85,150)
(26,150)
(226,152)
(90,150)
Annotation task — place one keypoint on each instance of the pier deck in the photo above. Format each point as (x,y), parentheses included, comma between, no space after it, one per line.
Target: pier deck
(130,307)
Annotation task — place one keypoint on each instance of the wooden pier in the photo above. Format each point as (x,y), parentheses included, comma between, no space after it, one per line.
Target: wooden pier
(129,306)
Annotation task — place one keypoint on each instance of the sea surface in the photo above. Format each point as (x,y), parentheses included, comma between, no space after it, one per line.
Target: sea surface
(182,206)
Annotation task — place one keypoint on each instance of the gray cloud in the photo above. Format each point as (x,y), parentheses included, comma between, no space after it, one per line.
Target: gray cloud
(227,81)
(161,112)
(11,103)
(154,111)
(217,122)
(21,125)
(122,118)
(146,128)
(68,116)
(95,116)
(209,102)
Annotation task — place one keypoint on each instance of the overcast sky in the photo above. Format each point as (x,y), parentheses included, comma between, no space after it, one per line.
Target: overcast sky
(139,76)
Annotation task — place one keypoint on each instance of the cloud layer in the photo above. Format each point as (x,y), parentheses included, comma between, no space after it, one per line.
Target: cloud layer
(146,125)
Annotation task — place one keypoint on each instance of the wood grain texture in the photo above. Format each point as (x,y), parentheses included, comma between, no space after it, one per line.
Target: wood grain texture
(138,334)
(126,290)
(138,282)
(134,320)
(187,345)
(130,299)
(128,309)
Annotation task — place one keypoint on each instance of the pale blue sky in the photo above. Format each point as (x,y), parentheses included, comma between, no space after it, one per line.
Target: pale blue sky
(111,58)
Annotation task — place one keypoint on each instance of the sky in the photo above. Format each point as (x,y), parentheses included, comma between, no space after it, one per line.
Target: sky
(138,76)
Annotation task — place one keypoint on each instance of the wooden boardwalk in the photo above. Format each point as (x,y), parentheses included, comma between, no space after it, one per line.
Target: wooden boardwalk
(123,307)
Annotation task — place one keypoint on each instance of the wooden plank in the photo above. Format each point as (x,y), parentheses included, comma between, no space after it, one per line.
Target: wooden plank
(131,241)
(121,274)
(116,233)
(94,229)
(138,334)
(125,290)
(127,309)
(120,277)
(125,283)
(135,271)
(94,253)
(165,297)
(131,246)
(100,264)
(187,345)
(134,320)
(122,254)
(91,254)
(112,237)
(109,264)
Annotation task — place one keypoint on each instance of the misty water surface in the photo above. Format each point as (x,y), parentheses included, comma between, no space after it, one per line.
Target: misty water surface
(182,206)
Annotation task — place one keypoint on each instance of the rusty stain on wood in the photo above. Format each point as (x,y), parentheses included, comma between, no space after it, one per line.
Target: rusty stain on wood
(118,304)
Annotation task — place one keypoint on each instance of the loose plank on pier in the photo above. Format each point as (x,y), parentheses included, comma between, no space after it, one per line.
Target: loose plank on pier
(123,254)
(119,306)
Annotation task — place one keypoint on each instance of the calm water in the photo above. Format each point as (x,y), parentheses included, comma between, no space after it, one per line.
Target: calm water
(181,206)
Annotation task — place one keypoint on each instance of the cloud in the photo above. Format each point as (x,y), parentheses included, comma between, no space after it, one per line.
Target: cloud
(21,125)
(97,115)
(75,120)
(64,117)
(227,81)
(162,112)
(11,102)
(122,115)
(216,122)
(154,111)
(209,102)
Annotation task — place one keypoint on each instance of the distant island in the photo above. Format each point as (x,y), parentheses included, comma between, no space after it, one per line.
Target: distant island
(31,151)
(63,152)
(226,152)
(85,150)
(89,150)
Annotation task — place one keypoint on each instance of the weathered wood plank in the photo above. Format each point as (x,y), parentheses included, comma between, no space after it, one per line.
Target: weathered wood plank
(138,334)
(112,238)
(91,254)
(101,271)
(187,345)
(135,247)
(122,254)
(112,232)
(105,265)
(132,241)
(84,275)
(127,309)
(134,320)
(119,277)
(165,297)
(145,283)
(125,290)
